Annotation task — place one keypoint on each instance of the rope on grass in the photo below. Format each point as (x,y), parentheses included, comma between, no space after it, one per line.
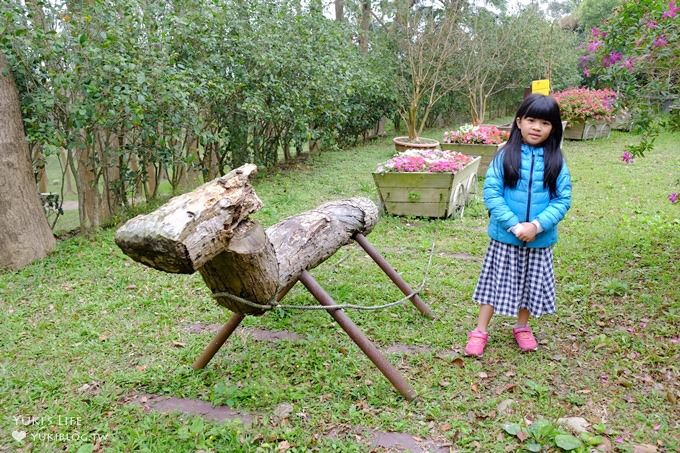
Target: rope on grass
(273,304)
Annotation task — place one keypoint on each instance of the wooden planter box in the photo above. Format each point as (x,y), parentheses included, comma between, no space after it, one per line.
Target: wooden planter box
(486,152)
(587,130)
(622,121)
(427,194)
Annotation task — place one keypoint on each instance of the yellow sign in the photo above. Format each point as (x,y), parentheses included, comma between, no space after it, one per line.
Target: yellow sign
(541,86)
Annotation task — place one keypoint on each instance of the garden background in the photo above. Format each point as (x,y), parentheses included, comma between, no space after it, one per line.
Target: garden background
(141,100)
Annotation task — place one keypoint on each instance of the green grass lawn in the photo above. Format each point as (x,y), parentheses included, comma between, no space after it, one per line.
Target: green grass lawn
(86,329)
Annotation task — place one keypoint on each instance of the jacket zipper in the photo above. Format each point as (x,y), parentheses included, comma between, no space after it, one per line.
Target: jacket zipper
(531,182)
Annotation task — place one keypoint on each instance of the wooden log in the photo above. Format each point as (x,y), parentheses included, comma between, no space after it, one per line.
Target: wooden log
(191,229)
(246,268)
(256,266)
(208,230)
(304,241)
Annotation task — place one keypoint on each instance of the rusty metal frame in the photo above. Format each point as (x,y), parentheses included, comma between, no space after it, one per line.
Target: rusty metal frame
(357,336)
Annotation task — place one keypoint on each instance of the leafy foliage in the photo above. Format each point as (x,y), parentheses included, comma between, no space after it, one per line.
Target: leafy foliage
(185,88)
(635,53)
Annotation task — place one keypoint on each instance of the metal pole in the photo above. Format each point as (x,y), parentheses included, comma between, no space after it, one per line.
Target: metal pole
(218,341)
(393,275)
(358,337)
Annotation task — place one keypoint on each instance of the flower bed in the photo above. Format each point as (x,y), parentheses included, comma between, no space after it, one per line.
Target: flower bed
(428,161)
(430,183)
(483,141)
(476,135)
(584,104)
(587,112)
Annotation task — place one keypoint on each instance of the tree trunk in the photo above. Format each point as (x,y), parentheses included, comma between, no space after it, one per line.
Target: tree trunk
(40,159)
(365,22)
(339,10)
(67,174)
(24,232)
(89,199)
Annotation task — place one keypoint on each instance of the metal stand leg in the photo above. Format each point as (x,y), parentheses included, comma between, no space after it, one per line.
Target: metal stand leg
(218,341)
(359,338)
(393,275)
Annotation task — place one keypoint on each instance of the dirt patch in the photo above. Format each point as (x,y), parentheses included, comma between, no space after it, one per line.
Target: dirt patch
(166,404)
(407,349)
(398,348)
(460,256)
(249,332)
(392,441)
(199,327)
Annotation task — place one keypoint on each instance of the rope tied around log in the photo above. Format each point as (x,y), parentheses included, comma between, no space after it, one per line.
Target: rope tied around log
(273,304)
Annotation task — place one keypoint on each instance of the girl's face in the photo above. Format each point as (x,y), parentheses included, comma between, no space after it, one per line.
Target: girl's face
(534,131)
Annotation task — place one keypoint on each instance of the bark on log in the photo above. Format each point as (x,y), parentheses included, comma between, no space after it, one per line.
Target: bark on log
(189,230)
(257,265)
(304,241)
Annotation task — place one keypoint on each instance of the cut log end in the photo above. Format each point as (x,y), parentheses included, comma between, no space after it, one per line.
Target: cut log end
(189,230)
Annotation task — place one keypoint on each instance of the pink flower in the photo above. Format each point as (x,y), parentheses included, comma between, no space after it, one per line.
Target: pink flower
(661,41)
(673,197)
(612,58)
(672,10)
(652,24)
(429,161)
(597,33)
(627,64)
(586,72)
(627,157)
(594,45)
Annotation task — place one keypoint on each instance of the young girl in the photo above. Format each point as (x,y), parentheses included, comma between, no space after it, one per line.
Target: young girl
(527,191)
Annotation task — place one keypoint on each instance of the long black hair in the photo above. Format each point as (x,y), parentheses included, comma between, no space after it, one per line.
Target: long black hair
(544,108)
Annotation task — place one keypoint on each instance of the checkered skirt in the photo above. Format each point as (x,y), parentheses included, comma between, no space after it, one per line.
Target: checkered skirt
(517,277)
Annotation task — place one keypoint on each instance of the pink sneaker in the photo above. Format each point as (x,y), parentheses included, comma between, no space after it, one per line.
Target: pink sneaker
(476,343)
(525,339)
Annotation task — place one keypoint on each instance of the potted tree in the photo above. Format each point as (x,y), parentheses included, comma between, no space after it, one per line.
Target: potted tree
(483,141)
(427,40)
(588,112)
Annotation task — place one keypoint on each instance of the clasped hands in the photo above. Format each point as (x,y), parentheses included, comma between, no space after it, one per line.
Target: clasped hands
(526,231)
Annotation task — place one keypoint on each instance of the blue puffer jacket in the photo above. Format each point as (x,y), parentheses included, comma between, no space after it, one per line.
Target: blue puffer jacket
(508,207)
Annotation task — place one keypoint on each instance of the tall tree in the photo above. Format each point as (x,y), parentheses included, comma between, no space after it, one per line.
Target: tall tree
(24,233)
(365,23)
(339,10)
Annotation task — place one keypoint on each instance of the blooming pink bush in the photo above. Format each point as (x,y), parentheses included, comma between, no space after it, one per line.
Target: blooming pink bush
(426,161)
(581,104)
(481,135)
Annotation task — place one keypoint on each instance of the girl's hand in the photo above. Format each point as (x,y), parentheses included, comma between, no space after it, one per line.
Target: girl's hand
(526,232)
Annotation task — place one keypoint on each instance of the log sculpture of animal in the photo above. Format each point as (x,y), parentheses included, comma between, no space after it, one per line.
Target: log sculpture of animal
(209,230)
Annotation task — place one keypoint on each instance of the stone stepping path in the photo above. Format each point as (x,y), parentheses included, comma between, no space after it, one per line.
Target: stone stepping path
(187,406)
(392,441)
